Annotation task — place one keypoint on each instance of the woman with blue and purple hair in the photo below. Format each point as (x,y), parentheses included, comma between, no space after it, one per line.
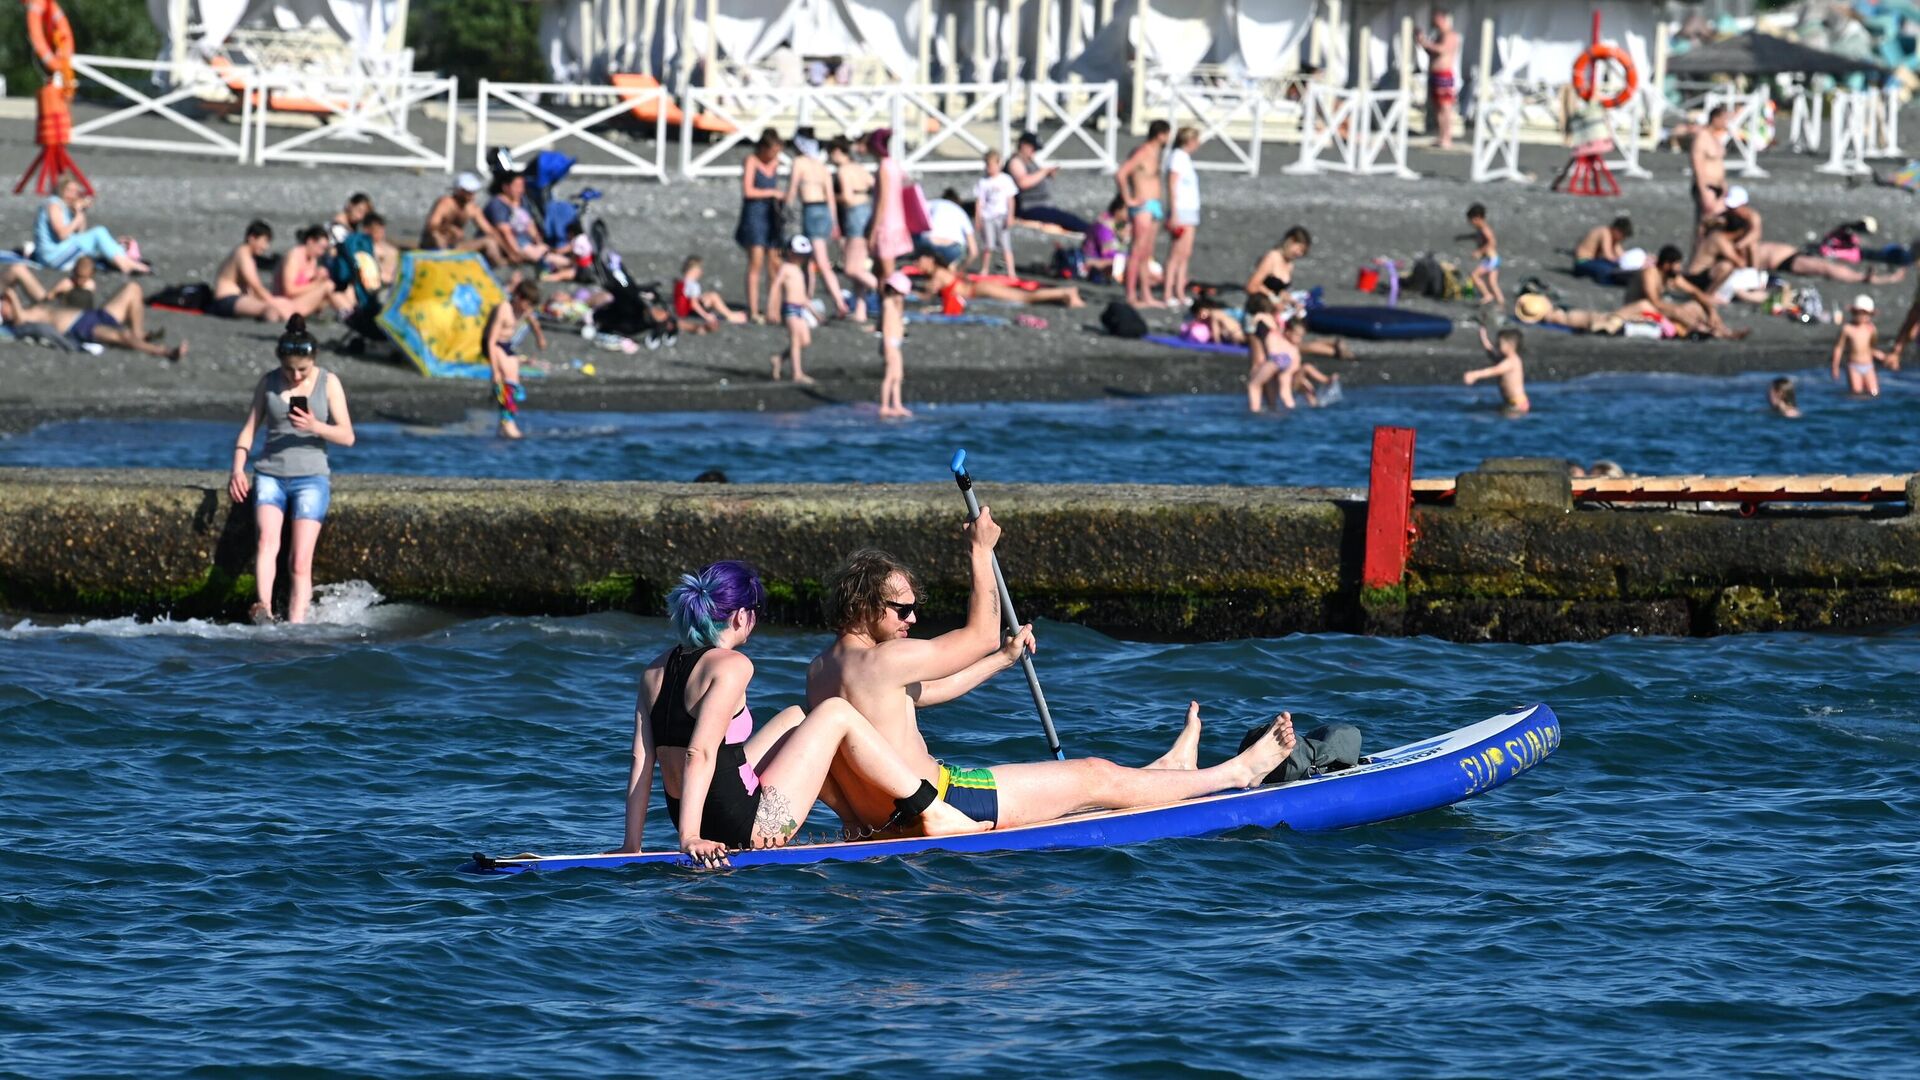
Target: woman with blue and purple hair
(728,787)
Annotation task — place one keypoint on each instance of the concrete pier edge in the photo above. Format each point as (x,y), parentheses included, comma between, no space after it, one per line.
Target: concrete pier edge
(1512,560)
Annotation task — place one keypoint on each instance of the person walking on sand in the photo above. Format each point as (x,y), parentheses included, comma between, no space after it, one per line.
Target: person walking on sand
(1139,184)
(727,786)
(1183,213)
(812,186)
(1855,347)
(1507,367)
(872,602)
(759,227)
(499,340)
(1486,272)
(893,337)
(853,191)
(788,296)
(303,408)
(889,238)
(1441,43)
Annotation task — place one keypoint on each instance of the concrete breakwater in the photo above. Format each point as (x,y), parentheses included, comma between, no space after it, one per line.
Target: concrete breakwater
(1510,560)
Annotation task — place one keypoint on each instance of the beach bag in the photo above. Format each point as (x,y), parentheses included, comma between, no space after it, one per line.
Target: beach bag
(1326,749)
(1069,263)
(1122,320)
(913,203)
(1426,278)
(193,296)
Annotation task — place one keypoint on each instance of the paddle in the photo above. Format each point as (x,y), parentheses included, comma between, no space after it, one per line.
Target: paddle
(959,467)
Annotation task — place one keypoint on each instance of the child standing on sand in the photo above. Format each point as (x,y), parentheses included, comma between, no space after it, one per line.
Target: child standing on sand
(993,214)
(1486,274)
(503,326)
(1855,346)
(1507,368)
(893,336)
(788,296)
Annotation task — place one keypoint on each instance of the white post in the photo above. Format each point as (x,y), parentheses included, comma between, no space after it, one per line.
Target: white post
(950,30)
(587,23)
(1483,82)
(1011,42)
(979,43)
(926,41)
(177,32)
(713,46)
(649,16)
(397,33)
(1654,92)
(1043,36)
(1139,36)
(1074,45)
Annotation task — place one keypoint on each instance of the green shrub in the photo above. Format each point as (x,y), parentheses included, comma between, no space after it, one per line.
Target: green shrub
(477,39)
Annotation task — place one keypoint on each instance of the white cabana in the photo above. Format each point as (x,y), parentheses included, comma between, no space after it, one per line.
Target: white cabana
(366,28)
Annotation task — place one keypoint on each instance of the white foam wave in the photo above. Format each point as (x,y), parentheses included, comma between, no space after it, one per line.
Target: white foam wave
(349,605)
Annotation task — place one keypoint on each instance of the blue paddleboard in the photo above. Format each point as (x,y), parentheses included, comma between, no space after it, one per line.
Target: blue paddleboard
(1410,779)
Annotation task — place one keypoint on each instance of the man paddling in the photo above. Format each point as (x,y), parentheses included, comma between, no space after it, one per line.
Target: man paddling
(872,603)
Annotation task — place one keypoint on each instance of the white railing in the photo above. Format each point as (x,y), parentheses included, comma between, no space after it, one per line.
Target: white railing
(1087,115)
(1365,130)
(510,106)
(186,84)
(923,125)
(737,115)
(1807,119)
(1222,112)
(1860,129)
(1625,126)
(1749,130)
(1496,135)
(1883,122)
(361,121)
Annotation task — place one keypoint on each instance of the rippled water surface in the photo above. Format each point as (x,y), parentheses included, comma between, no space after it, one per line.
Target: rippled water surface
(1649,424)
(231,853)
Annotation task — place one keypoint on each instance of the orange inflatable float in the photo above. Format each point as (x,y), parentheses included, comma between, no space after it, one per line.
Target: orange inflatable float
(1586,81)
(51,37)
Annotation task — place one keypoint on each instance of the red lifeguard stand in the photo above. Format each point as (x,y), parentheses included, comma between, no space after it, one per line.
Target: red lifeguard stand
(1587,172)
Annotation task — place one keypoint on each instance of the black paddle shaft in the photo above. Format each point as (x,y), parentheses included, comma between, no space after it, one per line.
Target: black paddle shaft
(1013,624)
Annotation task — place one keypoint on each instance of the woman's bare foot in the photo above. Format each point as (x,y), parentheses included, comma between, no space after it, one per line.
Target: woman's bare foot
(1265,755)
(779,360)
(177,353)
(260,614)
(941,819)
(802,380)
(1185,752)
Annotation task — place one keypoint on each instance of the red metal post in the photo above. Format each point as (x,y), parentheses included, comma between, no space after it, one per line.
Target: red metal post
(1389,508)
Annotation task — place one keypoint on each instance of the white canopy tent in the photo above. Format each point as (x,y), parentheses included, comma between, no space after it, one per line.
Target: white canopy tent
(366,27)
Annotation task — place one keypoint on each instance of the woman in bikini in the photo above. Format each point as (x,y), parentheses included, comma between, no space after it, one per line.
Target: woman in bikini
(729,787)
(304,281)
(853,190)
(1273,276)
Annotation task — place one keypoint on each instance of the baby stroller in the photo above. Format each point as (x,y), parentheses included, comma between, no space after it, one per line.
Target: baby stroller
(637,311)
(543,172)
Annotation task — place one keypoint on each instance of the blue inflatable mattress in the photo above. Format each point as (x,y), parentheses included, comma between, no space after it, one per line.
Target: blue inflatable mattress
(1378,323)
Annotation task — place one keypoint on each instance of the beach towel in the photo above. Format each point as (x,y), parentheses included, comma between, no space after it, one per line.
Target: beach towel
(938,319)
(1172,341)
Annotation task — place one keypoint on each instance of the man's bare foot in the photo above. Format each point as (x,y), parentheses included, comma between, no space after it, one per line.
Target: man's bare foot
(779,364)
(802,380)
(1265,755)
(1185,752)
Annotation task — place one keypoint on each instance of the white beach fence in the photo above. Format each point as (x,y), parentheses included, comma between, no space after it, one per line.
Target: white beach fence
(256,116)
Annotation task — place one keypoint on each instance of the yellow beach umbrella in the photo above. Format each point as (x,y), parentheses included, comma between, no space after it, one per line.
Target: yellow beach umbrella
(438,312)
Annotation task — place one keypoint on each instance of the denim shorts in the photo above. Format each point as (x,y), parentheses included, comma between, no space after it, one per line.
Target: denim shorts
(944,254)
(310,494)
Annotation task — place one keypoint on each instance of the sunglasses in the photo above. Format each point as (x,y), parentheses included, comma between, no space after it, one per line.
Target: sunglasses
(904,611)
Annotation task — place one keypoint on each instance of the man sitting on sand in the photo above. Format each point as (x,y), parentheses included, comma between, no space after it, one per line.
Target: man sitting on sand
(120,322)
(873,601)
(453,214)
(238,292)
(1647,294)
(1597,256)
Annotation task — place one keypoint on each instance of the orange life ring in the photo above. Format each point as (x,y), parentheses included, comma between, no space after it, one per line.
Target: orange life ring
(1585,84)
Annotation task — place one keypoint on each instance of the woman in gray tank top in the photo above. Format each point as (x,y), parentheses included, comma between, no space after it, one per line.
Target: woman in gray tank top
(303,409)
(1035,181)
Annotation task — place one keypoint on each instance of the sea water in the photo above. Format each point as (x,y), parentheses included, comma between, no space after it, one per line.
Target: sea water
(231,852)
(1649,424)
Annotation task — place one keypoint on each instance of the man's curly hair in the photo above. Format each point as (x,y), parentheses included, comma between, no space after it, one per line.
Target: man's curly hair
(857,592)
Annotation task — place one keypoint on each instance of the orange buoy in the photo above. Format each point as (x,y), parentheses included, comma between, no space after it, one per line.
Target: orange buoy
(1585,82)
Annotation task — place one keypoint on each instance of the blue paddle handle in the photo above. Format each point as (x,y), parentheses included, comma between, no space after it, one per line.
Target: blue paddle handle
(1012,620)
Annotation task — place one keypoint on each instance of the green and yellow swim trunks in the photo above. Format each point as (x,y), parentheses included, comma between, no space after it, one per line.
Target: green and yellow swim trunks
(970,791)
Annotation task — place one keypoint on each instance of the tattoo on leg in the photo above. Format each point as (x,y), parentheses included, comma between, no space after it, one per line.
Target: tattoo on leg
(775,817)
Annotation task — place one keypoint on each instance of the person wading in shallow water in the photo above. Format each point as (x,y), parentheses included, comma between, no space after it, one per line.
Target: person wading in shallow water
(872,601)
(304,408)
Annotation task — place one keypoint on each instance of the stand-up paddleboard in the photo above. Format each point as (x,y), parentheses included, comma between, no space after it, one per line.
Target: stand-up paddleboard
(1410,779)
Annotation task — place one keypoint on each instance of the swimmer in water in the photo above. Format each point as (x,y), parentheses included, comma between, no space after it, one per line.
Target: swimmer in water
(1507,367)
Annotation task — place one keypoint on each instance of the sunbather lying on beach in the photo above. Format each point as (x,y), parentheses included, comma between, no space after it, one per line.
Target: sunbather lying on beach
(120,322)
(942,282)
